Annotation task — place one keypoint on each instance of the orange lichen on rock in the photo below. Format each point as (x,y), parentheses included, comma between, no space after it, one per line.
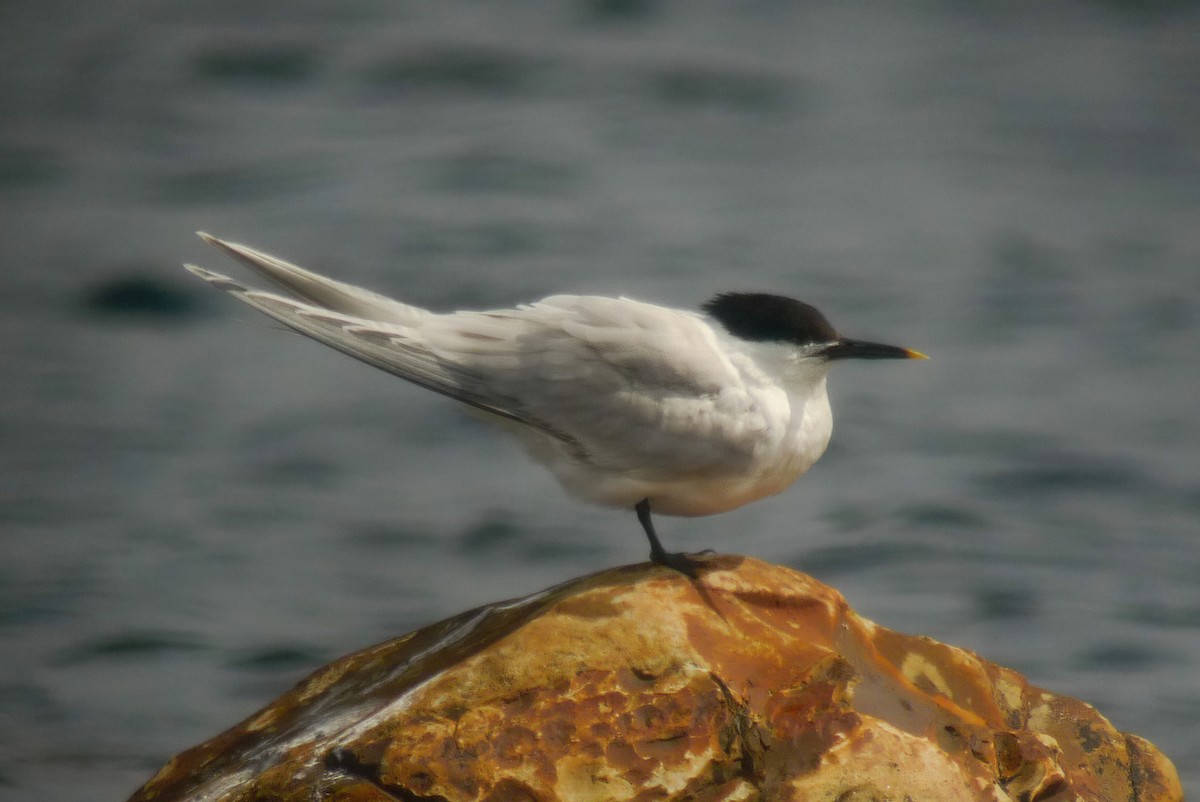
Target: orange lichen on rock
(752,683)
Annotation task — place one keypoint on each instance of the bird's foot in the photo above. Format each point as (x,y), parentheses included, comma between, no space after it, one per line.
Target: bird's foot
(686,564)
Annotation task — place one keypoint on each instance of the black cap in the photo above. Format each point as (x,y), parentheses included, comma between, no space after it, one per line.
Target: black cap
(762,317)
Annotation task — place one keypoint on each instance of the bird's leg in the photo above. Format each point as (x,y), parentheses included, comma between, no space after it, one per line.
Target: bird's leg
(657,552)
(676,560)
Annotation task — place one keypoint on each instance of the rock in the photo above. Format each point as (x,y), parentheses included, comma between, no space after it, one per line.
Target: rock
(756,683)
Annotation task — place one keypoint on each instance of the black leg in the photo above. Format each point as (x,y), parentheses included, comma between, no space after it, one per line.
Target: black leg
(676,560)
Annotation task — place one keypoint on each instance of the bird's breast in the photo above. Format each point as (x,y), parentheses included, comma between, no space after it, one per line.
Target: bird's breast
(780,460)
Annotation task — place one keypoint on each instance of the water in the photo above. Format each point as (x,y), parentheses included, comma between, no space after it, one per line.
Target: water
(197,510)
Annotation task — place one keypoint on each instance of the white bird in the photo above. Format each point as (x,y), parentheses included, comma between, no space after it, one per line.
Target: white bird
(628,404)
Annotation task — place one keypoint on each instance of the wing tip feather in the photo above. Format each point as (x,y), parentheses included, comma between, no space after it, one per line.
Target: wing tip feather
(212,277)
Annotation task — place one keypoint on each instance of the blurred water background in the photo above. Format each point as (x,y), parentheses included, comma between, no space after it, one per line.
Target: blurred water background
(196,510)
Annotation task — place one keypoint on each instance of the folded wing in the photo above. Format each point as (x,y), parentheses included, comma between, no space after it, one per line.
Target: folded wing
(614,381)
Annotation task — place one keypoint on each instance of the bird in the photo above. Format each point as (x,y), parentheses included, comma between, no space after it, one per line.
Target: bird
(628,404)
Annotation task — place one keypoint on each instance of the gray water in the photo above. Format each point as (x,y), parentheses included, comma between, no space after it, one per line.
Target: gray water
(197,509)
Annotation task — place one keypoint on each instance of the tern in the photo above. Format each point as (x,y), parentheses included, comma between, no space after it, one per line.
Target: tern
(628,404)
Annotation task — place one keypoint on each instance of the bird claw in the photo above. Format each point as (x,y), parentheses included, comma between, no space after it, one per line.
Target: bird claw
(686,564)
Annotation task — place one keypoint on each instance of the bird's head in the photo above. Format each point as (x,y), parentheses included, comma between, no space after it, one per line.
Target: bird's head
(806,336)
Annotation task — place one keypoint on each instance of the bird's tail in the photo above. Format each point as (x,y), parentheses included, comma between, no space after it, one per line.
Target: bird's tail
(357,322)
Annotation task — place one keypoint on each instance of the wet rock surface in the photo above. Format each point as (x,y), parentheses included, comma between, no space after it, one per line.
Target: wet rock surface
(754,683)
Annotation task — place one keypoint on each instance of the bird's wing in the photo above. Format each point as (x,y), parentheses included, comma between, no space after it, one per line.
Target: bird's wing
(390,347)
(634,383)
(323,292)
(615,381)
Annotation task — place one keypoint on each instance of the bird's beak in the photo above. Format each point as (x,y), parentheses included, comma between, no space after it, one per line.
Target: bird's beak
(860,349)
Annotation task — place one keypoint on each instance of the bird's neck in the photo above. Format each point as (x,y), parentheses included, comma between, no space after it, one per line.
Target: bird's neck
(811,418)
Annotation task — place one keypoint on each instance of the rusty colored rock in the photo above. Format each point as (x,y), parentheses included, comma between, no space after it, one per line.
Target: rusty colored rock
(754,684)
